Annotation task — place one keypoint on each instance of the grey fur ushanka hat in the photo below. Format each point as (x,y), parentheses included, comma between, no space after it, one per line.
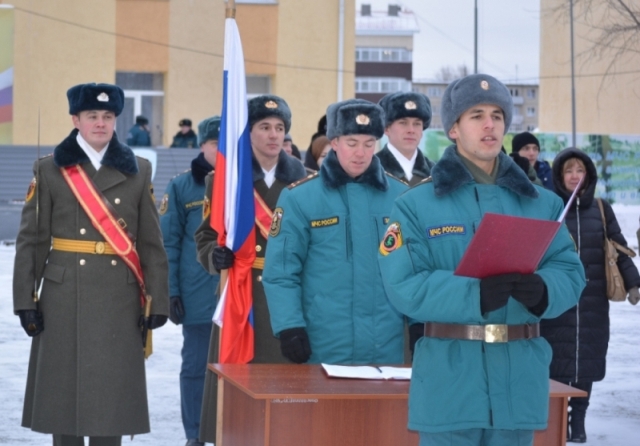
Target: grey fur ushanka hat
(355,117)
(464,93)
(406,105)
(208,128)
(266,106)
(94,96)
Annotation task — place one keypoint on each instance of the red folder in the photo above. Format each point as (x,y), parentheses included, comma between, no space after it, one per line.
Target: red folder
(506,244)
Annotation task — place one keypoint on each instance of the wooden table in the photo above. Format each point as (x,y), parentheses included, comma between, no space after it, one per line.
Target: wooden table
(292,405)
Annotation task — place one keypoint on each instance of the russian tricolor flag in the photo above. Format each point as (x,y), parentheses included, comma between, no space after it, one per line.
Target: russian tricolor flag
(233,213)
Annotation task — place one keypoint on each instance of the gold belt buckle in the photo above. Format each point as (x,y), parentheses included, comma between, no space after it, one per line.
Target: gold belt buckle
(496,333)
(99,247)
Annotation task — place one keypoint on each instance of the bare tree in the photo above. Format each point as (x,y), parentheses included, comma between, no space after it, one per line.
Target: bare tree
(613,29)
(449,73)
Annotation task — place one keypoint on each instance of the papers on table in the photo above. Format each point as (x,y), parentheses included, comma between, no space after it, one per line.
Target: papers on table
(367,372)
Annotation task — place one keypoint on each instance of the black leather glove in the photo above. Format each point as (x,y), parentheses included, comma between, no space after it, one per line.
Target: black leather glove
(495,291)
(176,310)
(416,331)
(156,321)
(294,344)
(31,321)
(222,258)
(531,292)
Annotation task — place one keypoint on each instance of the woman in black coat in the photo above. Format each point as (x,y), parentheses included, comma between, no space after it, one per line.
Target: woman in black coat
(580,337)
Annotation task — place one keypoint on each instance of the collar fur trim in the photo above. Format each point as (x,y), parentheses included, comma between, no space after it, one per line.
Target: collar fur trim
(288,169)
(391,165)
(450,173)
(118,156)
(334,176)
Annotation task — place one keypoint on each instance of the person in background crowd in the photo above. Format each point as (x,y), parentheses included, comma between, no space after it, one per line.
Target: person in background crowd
(290,147)
(465,387)
(580,336)
(527,168)
(86,370)
(186,138)
(273,171)
(192,289)
(139,135)
(320,148)
(309,161)
(323,285)
(407,115)
(528,146)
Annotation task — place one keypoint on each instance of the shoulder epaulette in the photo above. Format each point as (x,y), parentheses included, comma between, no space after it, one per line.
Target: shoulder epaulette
(181,173)
(429,179)
(303,180)
(395,177)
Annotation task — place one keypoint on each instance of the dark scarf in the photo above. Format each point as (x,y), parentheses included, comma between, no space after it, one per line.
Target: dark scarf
(200,167)
(118,156)
(334,176)
(422,166)
(288,169)
(450,173)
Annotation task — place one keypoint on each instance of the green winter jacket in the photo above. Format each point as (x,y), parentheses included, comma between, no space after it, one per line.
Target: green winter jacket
(321,271)
(463,384)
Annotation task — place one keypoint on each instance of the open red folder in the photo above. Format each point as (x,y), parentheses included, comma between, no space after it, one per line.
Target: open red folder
(506,244)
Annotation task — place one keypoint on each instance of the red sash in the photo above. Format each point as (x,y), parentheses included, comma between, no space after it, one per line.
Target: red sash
(104,219)
(264,215)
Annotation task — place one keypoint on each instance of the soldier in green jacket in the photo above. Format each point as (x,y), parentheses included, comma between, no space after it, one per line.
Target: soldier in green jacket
(323,284)
(273,171)
(468,387)
(86,369)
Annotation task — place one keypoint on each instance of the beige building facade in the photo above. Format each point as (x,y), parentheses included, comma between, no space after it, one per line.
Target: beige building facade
(168,57)
(604,104)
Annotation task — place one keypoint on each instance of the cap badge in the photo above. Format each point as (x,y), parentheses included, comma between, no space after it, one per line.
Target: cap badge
(484,85)
(363,119)
(103,97)
(271,104)
(410,105)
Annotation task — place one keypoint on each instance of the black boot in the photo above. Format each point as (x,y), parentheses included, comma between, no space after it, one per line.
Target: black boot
(578,434)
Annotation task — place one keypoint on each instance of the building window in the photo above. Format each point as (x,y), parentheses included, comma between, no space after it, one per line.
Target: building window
(531,93)
(143,95)
(433,92)
(258,85)
(531,128)
(383,55)
(514,92)
(382,85)
(531,111)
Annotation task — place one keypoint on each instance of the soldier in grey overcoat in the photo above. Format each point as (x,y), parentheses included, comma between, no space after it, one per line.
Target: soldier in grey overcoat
(86,369)
(273,170)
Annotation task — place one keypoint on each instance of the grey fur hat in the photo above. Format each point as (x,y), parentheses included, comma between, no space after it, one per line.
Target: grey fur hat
(355,117)
(94,96)
(208,128)
(268,105)
(406,105)
(462,94)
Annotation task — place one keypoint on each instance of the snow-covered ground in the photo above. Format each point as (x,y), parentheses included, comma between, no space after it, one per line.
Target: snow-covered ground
(613,418)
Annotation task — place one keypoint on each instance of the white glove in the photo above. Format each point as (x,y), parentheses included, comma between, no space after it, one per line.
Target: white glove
(634,295)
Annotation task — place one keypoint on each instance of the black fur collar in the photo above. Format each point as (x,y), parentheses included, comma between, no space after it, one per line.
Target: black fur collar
(334,176)
(200,167)
(288,169)
(118,156)
(391,164)
(450,173)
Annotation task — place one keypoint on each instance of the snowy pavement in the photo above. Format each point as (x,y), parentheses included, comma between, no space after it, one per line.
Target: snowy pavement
(613,418)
